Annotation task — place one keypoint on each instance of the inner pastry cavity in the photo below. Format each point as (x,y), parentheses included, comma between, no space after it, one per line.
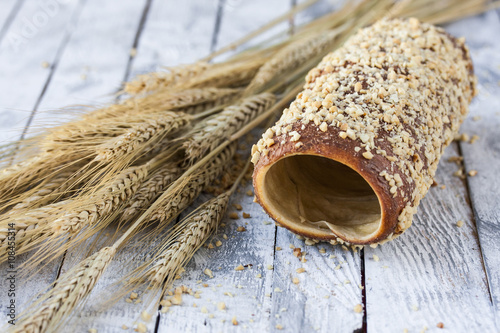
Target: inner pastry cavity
(313,192)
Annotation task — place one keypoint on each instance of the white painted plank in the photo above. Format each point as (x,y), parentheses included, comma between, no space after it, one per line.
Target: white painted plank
(35,36)
(247,301)
(327,292)
(175,33)
(93,65)
(242,17)
(484,155)
(433,273)
(8,11)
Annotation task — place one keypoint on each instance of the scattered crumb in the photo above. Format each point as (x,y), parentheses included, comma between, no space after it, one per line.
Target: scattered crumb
(218,243)
(300,270)
(414,308)
(177,299)
(224,236)
(476,118)
(460,223)
(358,308)
(221,306)
(297,252)
(443,187)
(45,64)
(237,206)
(128,300)
(474,138)
(239,268)
(278,248)
(440,325)
(332,256)
(367,155)
(267,222)
(246,215)
(322,250)
(295,280)
(347,282)
(472,173)
(208,272)
(133,52)
(270,267)
(279,326)
(124,327)
(133,296)
(241,229)
(258,276)
(92,330)
(166,303)
(250,193)
(145,316)
(204,309)
(141,328)
(234,321)
(234,216)
(376,258)
(210,246)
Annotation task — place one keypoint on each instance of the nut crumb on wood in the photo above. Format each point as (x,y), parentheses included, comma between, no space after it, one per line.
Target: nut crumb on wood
(300,270)
(246,215)
(218,243)
(208,272)
(241,229)
(237,206)
(473,173)
(295,280)
(141,328)
(239,268)
(234,321)
(358,308)
(460,223)
(279,326)
(234,216)
(250,193)
(440,325)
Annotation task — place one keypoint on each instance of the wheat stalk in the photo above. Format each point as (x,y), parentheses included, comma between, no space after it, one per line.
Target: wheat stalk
(103,203)
(69,290)
(170,77)
(209,133)
(185,240)
(172,205)
(290,57)
(140,135)
(151,189)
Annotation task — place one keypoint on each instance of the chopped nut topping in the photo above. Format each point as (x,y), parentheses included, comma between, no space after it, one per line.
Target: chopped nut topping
(209,273)
(218,243)
(367,155)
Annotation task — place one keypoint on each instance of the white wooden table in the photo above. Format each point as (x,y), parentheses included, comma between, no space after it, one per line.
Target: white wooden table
(65,52)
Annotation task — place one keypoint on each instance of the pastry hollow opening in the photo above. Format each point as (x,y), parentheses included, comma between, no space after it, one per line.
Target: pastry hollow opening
(309,191)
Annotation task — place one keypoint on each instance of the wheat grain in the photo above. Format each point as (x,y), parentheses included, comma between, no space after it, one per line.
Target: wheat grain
(291,57)
(165,79)
(98,206)
(151,189)
(140,135)
(186,239)
(209,133)
(69,290)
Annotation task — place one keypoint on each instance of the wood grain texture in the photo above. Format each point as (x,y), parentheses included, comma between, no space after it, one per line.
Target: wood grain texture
(327,292)
(432,273)
(246,293)
(483,156)
(36,37)
(175,33)
(93,64)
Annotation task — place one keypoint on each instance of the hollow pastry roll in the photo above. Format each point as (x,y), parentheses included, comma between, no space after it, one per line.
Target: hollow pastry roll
(353,155)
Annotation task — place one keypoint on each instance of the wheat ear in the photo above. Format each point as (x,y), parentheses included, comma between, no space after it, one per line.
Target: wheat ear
(185,240)
(170,77)
(69,290)
(291,57)
(141,135)
(171,206)
(151,189)
(209,133)
(103,203)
